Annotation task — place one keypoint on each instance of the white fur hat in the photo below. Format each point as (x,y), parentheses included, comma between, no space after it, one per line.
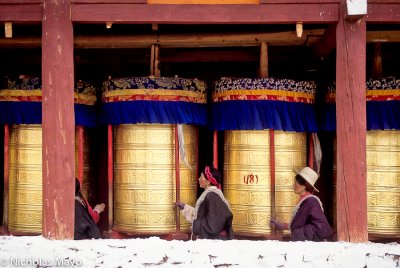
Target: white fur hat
(309,175)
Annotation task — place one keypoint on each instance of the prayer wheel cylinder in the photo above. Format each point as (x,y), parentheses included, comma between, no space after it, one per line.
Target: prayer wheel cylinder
(383,181)
(247,177)
(144,177)
(25,178)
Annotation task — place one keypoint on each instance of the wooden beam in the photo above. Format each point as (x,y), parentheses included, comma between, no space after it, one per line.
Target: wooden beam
(206,14)
(29,12)
(327,43)
(195,40)
(383,37)
(385,12)
(176,40)
(204,2)
(58,121)
(351,130)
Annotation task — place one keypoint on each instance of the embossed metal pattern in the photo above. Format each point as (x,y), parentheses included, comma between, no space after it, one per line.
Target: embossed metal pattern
(25,178)
(144,178)
(247,178)
(383,181)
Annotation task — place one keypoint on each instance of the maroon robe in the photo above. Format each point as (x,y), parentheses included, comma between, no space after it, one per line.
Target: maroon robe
(310,222)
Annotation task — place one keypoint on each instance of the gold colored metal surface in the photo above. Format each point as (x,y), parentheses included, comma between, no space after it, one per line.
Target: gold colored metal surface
(25,178)
(383,181)
(144,178)
(247,180)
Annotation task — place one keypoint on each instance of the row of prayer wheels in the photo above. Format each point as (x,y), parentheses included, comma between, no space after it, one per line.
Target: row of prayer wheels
(147,114)
(382,154)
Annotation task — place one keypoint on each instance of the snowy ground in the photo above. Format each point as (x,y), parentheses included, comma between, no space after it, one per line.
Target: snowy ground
(154,252)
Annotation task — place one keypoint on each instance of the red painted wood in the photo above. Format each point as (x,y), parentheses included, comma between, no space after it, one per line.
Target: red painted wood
(351,130)
(215,149)
(6,176)
(110,176)
(299,1)
(197,156)
(206,14)
(80,153)
(177,179)
(384,13)
(310,161)
(21,2)
(58,121)
(272,170)
(109,1)
(21,13)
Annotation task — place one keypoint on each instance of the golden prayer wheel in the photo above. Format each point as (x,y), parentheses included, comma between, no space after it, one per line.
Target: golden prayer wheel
(144,177)
(383,181)
(25,178)
(247,176)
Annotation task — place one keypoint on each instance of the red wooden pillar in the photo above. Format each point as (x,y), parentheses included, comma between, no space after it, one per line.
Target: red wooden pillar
(110,175)
(80,154)
(177,178)
(6,176)
(351,129)
(272,173)
(58,120)
(215,149)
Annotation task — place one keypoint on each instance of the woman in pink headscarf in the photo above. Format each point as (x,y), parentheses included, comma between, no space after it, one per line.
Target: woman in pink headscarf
(211,217)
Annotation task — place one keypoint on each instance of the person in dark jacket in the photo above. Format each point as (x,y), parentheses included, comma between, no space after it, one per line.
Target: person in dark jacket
(211,217)
(85,223)
(308,221)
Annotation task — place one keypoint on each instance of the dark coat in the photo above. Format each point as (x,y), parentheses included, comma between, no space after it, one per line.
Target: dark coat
(310,222)
(85,227)
(213,217)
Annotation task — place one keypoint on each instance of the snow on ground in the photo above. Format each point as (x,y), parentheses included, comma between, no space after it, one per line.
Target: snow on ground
(36,251)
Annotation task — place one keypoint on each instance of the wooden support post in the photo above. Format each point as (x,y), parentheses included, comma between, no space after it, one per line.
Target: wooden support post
(377,65)
(310,161)
(110,169)
(58,120)
(177,178)
(80,154)
(264,60)
(155,61)
(177,235)
(351,130)
(272,170)
(6,176)
(215,149)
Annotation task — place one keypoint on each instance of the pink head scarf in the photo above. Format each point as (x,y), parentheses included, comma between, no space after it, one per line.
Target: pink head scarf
(210,177)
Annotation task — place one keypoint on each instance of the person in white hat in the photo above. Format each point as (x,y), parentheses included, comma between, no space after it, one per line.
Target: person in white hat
(308,221)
